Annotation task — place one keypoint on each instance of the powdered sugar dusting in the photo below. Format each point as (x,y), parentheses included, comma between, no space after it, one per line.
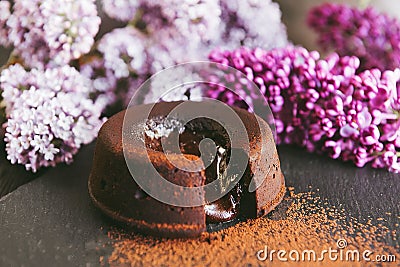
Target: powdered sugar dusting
(158,127)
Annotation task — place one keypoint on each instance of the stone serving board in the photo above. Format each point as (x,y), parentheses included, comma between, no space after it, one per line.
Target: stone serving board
(51,221)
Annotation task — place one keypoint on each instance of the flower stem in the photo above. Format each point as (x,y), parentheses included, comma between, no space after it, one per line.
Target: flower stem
(137,22)
(12,60)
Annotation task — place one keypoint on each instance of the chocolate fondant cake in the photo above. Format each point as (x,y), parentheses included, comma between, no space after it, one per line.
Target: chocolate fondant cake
(113,189)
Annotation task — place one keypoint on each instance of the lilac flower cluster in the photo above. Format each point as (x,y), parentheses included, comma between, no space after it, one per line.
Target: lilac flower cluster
(50,36)
(160,34)
(51,110)
(243,20)
(123,10)
(49,115)
(124,52)
(177,83)
(52,32)
(325,105)
(183,31)
(195,19)
(107,89)
(4,15)
(373,37)
(101,80)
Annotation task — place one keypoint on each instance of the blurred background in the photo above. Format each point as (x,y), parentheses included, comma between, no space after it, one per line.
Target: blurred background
(294,13)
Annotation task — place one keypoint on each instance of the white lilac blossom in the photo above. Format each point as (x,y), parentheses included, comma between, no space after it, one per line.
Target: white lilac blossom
(170,32)
(124,52)
(4,15)
(46,128)
(15,79)
(125,64)
(168,48)
(104,82)
(325,105)
(188,29)
(173,84)
(107,90)
(49,115)
(252,23)
(181,31)
(255,23)
(52,32)
(123,10)
(197,20)
(176,31)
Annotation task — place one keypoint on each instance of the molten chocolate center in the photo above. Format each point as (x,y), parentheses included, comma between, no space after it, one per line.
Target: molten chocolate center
(227,207)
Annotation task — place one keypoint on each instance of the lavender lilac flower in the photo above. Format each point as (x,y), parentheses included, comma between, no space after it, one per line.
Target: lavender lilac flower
(49,115)
(373,37)
(176,31)
(52,32)
(323,104)
(122,65)
(4,15)
(103,82)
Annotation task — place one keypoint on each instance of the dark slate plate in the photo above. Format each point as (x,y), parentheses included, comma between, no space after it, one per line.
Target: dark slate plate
(51,222)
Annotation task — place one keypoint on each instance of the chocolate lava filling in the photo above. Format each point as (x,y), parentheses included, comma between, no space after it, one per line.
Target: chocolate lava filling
(232,204)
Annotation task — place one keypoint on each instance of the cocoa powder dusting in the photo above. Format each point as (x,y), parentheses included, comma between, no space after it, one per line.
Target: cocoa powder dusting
(302,221)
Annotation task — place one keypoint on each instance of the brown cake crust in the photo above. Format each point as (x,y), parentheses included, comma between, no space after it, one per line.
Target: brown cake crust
(116,193)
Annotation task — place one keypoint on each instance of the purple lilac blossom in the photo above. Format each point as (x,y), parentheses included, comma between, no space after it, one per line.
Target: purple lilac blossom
(52,32)
(49,115)
(4,15)
(323,104)
(371,36)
